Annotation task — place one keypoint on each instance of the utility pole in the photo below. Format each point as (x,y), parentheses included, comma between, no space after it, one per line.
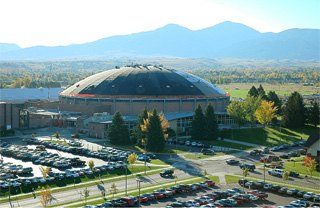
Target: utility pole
(10,193)
(264,170)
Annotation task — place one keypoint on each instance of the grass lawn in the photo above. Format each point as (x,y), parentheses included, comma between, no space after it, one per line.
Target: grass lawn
(300,168)
(201,156)
(58,142)
(243,93)
(167,150)
(160,162)
(231,179)
(274,136)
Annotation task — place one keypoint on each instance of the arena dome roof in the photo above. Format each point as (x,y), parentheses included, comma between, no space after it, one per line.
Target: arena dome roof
(140,81)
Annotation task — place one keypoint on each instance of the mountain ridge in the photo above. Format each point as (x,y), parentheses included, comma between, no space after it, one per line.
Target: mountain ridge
(224,40)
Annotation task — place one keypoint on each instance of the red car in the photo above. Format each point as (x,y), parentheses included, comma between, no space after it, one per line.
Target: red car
(239,200)
(210,182)
(259,194)
(266,160)
(158,195)
(201,201)
(212,196)
(128,200)
(142,198)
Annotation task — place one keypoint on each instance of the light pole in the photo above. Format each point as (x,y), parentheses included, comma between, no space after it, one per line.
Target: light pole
(126,176)
(264,170)
(145,159)
(176,143)
(10,193)
(243,176)
(139,181)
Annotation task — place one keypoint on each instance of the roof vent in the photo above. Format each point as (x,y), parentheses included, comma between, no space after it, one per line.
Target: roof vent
(168,86)
(191,86)
(113,86)
(140,86)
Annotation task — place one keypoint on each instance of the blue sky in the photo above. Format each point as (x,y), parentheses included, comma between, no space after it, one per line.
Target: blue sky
(64,22)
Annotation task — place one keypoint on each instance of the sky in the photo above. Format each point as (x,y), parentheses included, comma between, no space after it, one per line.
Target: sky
(63,22)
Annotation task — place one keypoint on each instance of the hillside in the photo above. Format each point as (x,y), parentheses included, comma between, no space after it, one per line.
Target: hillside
(225,40)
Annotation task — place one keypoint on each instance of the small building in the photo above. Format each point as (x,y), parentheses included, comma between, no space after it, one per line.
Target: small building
(313,146)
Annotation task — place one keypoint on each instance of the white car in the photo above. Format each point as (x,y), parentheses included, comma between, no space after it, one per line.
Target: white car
(207,199)
(301,203)
(194,144)
(194,203)
(267,186)
(232,192)
(4,185)
(253,197)
(72,173)
(309,195)
(204,184)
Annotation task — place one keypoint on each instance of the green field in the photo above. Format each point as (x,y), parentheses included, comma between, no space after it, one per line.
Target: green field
(243,93)
(271,136)
(300,168)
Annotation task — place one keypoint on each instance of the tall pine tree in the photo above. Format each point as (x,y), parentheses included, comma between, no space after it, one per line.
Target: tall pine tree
(273,97)
(261,92)
(155,135)
(118,131)
(137,133)
(198,124)
(253,92)
(211,123)
(294,111)
(313,116)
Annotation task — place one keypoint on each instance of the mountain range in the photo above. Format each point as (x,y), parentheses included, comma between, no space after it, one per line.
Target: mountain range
(224,40)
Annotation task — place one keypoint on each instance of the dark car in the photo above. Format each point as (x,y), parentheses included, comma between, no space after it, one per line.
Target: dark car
(242,182)
(249,166)
(152,156)
(293,174)
(275,188)
(166,173)
(232,161)
(284,156)
(301,193)
(182,142)
(207,151)
(176,204)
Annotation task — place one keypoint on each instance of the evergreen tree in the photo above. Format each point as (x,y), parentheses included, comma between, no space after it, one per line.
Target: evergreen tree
(261,92)
(313,116)
(273,97)
(198,124)
(211,123)
(137,133)
(155,135)
(253,91)
(118,131)
(294,111)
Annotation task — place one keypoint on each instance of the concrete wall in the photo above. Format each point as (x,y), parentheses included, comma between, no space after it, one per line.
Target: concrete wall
(97,130)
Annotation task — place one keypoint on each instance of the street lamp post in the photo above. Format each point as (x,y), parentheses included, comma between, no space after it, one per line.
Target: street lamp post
(176,143)
(264,170)
(10,193)
(145,159)
(139,181)
(243,176)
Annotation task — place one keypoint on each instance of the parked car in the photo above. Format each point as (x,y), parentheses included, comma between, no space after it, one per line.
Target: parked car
(283,190)
(251,167)
(210,182)
(309,195)
(300,203)
(292,191)
(276,172)
(232,161)
(207,151)
(293,174)
(227,202)
(168,172)
(260,194)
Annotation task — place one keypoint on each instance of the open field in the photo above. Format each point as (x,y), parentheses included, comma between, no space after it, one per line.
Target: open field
(271,136)
(268,87)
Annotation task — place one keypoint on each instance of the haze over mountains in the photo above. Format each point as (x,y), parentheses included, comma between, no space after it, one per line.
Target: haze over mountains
(224,40)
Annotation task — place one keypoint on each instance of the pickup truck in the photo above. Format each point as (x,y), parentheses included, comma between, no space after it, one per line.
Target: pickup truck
(259,194)
(166,173)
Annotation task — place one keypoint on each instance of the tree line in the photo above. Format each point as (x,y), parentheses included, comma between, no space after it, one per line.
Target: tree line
(262,108)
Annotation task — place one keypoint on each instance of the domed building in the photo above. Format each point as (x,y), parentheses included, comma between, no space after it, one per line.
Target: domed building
(90,103)
(129,89)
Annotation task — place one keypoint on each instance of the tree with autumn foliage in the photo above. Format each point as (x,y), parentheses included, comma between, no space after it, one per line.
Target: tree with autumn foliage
(236,110)
(45,195)
(311,164)
(155,127)
(132,159)
(266,112)
(91,164)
